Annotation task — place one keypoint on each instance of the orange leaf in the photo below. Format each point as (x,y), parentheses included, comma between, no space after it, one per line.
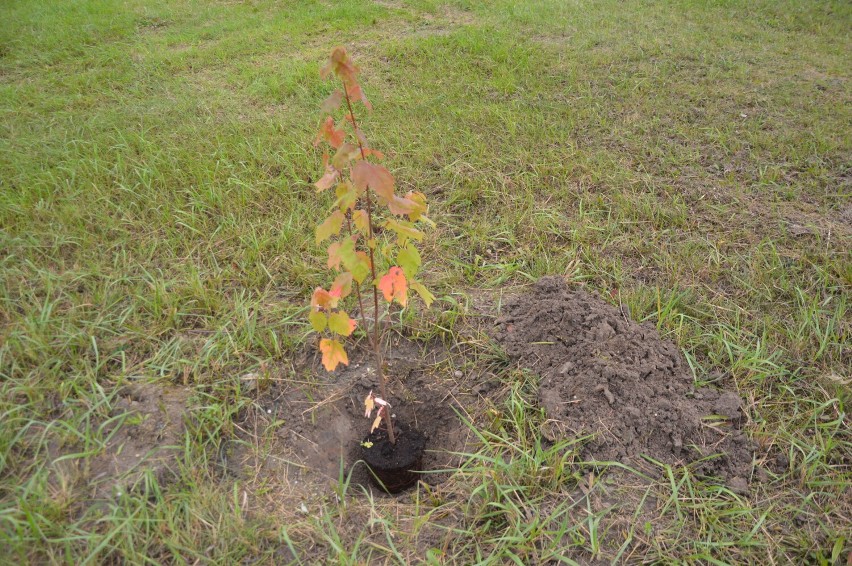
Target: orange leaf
(333,353)
(401,205)
(334,257)
(342,286)
(368,404)
(329,133)
(322,299)
(376,177)
(394,286)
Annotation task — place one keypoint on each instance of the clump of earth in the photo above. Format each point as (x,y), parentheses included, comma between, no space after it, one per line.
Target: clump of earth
(606,376)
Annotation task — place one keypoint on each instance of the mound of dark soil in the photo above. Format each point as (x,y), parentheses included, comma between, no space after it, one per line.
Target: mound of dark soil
(607,376)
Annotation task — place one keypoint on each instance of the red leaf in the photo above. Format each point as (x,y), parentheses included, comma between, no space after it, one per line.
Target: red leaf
(394,286)
(355,93)
(376,177)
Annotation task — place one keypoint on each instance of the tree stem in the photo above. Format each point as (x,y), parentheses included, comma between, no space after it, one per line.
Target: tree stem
(377,350)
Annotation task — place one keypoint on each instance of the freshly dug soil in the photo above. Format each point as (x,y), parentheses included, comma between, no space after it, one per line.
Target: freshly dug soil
(395,466)
(605,375)
(306,427)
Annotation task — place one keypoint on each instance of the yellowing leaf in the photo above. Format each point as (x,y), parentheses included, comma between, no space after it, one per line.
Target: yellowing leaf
(361,220)
(361,267)
(420,209)
(404,231)
(424,293)
(333,353)
(341,324)
(394,286)
(318,320)
(369,175)
(330,227)
(369,404)
(346,153)
(343,252)
(409,260)
(347,196)
(376,422)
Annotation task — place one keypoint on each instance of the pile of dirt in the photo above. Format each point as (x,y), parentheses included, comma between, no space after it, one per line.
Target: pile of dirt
(607,376)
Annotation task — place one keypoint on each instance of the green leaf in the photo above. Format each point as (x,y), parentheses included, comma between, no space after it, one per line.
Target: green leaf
(318,320)
(424,293)
(404,231)
(409,260)
(330,227)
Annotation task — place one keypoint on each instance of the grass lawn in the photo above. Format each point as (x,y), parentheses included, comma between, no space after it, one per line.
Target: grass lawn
(688,159)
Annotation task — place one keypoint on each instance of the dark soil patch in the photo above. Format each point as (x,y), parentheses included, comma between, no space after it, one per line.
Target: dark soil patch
(605,375)
(305,427)
(396,466)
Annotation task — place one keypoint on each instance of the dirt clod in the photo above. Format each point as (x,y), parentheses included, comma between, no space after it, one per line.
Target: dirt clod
(605,375)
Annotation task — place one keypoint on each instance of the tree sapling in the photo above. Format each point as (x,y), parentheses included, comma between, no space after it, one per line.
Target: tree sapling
(373,231)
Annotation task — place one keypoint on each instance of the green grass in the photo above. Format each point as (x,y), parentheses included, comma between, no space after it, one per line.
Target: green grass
(688,158)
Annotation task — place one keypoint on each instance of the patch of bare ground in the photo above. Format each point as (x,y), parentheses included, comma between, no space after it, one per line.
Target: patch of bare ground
(304,431)
(144,435)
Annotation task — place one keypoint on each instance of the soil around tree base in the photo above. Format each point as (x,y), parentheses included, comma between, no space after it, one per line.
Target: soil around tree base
(395,465)
(609,377)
